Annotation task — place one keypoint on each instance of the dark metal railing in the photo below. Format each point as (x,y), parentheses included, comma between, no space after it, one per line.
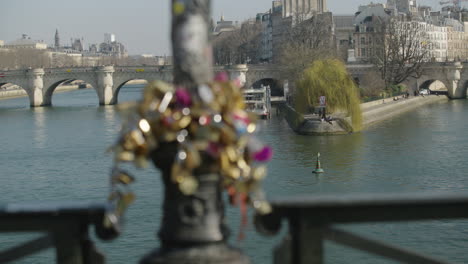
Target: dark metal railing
(65,226)
(311,220)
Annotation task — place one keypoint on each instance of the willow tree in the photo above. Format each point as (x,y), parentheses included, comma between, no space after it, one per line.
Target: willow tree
(329,78)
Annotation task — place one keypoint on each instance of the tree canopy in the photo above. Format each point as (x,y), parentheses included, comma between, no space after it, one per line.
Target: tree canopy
(329,78)
(401,50)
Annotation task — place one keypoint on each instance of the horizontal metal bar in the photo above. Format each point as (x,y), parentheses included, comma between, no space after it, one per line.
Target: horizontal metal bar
(373,207)
(46,216)
(378,248)
(52,209)
(26,249)
(36,224)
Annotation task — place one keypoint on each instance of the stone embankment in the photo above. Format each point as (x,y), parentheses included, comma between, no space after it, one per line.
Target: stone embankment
(14,93)
(372,112)
(376,111)
(311,124)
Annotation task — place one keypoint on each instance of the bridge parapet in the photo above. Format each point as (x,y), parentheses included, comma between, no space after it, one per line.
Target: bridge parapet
(69,70)
(143,68)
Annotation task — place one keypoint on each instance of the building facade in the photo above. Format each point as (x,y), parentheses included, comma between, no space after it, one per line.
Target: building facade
(344,31)
(225,26)
(308,7)
(25,42)
(403,6)
(267,36)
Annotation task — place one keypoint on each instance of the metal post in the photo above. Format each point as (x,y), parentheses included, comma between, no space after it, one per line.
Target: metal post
(192,228)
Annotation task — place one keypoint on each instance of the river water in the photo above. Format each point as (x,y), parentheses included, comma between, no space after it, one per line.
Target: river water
(59,153)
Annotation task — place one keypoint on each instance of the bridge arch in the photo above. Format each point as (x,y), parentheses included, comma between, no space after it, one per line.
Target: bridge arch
(276,86)
(51,84)
(123,75)
(427,81)
(434,86)
(20,92)
(119,87)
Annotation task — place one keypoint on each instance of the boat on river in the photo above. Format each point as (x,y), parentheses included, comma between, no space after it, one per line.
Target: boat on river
(257,101)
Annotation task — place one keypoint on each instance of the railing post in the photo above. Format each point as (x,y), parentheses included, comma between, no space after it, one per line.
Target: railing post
(306,242)
(192,228)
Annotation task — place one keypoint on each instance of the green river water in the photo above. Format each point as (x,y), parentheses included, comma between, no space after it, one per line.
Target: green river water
(58,153)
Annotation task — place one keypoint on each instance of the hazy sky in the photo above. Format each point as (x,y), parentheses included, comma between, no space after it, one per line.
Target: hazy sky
(141,25)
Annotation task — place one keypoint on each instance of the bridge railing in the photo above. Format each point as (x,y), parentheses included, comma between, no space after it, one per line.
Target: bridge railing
(65,226)
(311,221)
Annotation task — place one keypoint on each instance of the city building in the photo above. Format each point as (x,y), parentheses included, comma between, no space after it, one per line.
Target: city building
(77,45)
(408,7)
(93,49)
(2,43)
(150,59)
(303,7)
(267,36)
(457,33)
(280,26)
(366,11)
(110,47)
(25,42)
(437,38)
(109,38)
(367,37)
(344,31)
(368,22)
(225,26)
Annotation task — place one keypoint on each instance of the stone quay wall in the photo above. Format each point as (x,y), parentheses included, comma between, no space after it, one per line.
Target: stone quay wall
(380,110)
(372,112)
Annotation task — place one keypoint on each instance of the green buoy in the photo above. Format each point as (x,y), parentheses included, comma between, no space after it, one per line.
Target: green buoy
(318,168)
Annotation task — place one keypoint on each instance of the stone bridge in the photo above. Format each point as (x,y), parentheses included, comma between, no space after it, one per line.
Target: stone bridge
(453,75)
(107,81)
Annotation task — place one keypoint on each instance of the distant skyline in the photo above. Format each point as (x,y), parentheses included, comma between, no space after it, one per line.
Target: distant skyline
(143,26)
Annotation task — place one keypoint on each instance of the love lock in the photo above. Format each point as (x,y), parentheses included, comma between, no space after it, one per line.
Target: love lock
(192,210)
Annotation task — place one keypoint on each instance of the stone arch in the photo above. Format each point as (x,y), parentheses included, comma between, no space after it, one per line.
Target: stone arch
(276,86)
(427,79)
(51,84)
(16,77)
(19,84)
(23,91)
(434,86)
(118,87)
(123,76)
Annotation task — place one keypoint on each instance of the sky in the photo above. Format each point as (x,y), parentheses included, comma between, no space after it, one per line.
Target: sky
(143,26)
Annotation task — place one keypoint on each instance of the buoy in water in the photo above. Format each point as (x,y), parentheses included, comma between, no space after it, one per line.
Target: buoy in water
(318,168)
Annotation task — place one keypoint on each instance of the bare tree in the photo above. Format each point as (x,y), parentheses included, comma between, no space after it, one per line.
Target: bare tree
(371,84)
(308,39)
(24,58)
(238,46)
(401,49)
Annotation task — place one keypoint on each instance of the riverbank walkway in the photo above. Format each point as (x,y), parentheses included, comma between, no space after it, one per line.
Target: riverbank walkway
(380,110)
